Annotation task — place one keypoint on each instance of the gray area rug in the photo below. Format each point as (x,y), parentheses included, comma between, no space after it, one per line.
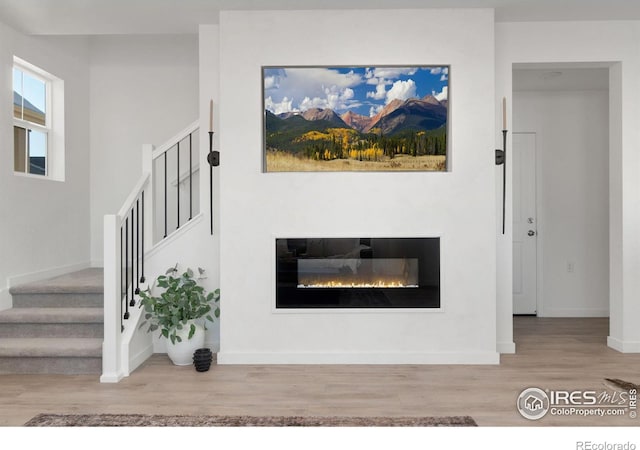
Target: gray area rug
(144,420)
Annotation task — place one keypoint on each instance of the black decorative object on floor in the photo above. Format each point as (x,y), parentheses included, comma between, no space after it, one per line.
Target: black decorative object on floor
(202,359)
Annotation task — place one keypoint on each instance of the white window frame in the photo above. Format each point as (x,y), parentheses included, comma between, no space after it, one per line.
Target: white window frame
(54,122)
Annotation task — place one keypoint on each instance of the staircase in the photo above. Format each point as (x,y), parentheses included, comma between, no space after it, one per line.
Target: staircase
(55,326)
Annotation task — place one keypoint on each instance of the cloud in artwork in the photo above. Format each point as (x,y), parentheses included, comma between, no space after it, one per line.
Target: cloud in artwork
(317,87)
(379,94)
(284,106)
(270,82)
(334,98)
(375,110)
(401,90)
(443,95)
(393,72)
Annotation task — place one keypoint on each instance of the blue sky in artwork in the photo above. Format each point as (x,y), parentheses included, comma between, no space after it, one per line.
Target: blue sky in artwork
(363,90)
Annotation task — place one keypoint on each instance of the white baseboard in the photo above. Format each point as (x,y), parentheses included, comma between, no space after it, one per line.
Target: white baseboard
(97,264)
(44,274)
(623,346)
(140,357)
(111,377)
(575,312)
(506,347)
(358,358)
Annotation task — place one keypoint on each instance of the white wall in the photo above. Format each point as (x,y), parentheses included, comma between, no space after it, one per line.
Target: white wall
(144,90)
(572,149)
(257,207)
(615,42)
(44,224)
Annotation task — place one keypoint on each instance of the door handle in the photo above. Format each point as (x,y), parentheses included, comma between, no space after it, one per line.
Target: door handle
(531,233)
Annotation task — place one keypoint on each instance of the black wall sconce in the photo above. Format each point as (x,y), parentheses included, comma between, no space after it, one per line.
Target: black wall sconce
(213,158)
(501,160)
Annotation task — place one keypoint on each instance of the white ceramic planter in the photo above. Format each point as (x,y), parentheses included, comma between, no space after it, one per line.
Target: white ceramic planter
(181,353)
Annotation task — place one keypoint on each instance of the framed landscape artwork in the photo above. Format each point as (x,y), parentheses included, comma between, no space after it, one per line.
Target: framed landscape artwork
(356,118)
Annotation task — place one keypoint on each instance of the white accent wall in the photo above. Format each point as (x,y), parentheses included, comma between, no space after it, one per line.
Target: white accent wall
(144,90)
(44,224)
(459,206)
(572,146)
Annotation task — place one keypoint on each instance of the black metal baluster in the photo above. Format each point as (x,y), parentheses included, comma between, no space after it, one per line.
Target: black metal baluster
(190,178)
(133,264)
(165,194)
(178,181)
(121,287)
(137,249)
(142,277)
(126,268)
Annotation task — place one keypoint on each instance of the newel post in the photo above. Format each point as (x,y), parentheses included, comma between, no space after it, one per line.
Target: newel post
(111,366)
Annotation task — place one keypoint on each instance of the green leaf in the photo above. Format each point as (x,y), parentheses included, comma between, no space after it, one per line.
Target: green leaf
(192,331)
(175,298)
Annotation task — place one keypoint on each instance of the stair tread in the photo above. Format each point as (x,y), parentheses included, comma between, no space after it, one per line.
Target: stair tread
(87,281)
(51,347)
(52,315)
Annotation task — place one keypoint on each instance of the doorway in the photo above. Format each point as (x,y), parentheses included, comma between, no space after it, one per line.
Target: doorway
(560,160)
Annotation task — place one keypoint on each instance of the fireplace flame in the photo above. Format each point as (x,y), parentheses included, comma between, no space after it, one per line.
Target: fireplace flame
(337,284)
(356,273)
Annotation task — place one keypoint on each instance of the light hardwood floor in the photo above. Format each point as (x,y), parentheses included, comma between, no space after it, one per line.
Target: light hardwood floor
(551,354)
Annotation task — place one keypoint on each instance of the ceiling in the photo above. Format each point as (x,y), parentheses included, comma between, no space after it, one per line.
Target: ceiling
(86,17)
(561,77)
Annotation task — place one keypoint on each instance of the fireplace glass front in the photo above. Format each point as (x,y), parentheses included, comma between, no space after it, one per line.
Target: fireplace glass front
(358,273)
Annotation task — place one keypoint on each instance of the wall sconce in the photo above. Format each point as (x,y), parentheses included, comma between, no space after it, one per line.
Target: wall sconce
(213,158)
(501,160)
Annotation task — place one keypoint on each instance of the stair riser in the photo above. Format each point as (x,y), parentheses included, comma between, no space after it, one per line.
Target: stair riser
(58,300)
(62,365)
(52,330)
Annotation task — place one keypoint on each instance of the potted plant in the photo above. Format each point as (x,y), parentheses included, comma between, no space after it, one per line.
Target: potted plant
(180,311)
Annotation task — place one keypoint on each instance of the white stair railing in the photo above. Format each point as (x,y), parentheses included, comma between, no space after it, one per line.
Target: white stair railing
(133,231)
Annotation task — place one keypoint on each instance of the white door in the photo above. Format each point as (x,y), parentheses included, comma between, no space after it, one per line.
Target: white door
(524,224)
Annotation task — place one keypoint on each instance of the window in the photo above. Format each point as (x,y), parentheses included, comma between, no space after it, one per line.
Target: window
(38,124)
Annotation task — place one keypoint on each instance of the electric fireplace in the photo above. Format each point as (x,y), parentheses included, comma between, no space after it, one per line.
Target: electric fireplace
(358,273)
